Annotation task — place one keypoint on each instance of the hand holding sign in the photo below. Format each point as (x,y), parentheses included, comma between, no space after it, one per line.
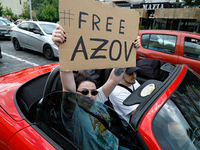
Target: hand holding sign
(58,35)
(99,35)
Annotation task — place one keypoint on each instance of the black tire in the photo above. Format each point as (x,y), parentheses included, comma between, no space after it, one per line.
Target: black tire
(16,44)
(48,52)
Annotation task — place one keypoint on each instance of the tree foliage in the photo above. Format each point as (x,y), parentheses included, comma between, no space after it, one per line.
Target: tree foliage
(1,9)
(192,3)
(39,13)
(8,12)
(36,4)
(25,11)
(46,10)
(50,13)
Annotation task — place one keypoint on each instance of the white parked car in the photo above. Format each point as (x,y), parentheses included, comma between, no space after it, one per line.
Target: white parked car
(35,35)
(4,30)
(7,21)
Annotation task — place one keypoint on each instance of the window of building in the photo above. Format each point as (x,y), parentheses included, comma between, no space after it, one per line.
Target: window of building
(159,42)
(192,48)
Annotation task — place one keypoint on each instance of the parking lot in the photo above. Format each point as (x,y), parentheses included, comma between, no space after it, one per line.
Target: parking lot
(16,60)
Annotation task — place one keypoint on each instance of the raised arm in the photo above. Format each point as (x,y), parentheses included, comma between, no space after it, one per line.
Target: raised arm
(68,83)
(114,78)
(67,78)
(116,74)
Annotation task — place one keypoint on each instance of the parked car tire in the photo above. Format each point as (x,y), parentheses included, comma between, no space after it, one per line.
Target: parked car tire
(48,52)
(16,44)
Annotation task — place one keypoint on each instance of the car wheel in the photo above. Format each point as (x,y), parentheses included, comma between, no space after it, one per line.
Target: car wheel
(48,52)
(16,45)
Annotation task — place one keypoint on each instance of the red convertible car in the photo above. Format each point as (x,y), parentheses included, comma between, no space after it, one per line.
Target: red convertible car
(33,110)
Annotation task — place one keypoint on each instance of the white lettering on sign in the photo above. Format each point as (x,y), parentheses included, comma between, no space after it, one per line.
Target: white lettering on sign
(152,6)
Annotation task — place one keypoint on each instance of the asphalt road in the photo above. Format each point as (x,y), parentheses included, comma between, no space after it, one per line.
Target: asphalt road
(16,60)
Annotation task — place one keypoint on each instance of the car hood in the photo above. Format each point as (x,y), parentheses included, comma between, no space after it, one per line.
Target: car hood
(9,83)
(5,27)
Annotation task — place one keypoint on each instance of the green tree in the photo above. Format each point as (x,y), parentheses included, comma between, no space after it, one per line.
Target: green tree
(36,4)
(39,13)
(1,9)
(40,6)
(55,3)
(141,27)
(156,27)
(50,13)
(191,3)
(25,11)
(8,12)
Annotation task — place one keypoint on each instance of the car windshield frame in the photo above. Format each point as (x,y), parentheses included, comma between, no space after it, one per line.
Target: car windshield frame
(47,28)
(177,123)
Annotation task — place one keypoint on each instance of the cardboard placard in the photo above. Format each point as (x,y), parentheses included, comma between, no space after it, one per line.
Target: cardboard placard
(99,35)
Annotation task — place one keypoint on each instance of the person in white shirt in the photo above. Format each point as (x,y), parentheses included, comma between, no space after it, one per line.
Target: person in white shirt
(126,86)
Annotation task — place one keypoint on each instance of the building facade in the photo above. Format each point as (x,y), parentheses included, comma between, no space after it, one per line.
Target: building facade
(164,14)
(15,5)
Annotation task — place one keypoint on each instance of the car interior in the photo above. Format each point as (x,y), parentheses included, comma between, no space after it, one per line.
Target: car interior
(29,97)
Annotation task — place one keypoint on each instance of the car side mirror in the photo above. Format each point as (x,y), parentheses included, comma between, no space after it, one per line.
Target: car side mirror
(37,32)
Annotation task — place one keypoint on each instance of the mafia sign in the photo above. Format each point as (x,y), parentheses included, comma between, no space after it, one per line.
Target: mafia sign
(152,6)
(99,35)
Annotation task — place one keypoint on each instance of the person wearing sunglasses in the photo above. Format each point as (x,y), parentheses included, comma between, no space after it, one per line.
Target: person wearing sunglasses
(96,136)
(67,78)
(127,85)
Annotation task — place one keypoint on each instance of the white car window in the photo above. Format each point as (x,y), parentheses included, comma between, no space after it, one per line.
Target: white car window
(48,28)
(24,26)
(2,23)
(33,27)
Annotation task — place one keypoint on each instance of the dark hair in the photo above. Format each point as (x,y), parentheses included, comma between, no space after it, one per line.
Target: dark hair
(84,77)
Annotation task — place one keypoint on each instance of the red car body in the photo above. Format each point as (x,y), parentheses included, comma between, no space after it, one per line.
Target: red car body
(145,128)
(184,49)
(18,131)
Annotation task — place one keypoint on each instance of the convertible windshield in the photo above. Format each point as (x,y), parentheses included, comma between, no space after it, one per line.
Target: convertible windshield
(84,123)
(177,124)
(48,28)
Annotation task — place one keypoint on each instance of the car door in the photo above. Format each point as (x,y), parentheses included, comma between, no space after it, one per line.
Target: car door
(190,52)
(35,38)
(22,34)
(159,46)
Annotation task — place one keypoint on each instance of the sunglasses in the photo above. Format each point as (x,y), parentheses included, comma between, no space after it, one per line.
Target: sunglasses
(86,92)
(130,74)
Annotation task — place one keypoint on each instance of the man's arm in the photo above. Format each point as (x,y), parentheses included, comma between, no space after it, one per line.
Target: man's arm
(67,79)
(114,78)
